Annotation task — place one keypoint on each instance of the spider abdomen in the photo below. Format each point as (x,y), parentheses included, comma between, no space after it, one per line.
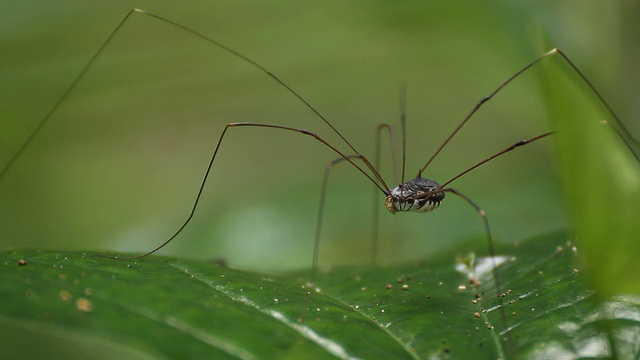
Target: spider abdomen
(415,195)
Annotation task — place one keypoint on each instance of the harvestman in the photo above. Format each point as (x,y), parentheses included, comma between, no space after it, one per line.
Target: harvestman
(418,194)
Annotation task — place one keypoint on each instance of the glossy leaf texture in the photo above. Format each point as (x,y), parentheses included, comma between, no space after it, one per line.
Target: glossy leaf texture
(70,305)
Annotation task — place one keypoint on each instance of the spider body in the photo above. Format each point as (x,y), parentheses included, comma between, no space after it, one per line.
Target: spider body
(418,195)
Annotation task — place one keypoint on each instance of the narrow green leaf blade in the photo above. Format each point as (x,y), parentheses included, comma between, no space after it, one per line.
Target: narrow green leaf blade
(598,162)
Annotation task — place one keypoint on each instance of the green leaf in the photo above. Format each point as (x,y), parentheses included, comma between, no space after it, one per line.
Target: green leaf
(599,164)
(171,308)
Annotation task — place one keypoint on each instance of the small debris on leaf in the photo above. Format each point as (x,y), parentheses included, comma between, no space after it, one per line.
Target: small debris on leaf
(64,295)
(84,305)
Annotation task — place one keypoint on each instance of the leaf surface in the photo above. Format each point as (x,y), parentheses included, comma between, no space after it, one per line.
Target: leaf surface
(160,307)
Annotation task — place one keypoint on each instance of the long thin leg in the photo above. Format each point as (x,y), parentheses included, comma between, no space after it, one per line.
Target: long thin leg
(376,179)
(63,96)
(492,254)
(256,65)
(197,34)
(618,126)
(376,208)
(499,153)
(373,176)
(323,196)
(630,144)
(483,214)
(509,149)
(487,228)
(391,134)
(403,128)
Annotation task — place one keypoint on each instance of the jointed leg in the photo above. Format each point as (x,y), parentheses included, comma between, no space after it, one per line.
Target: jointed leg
(374,178)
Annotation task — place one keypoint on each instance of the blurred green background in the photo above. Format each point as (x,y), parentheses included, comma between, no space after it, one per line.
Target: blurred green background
(118,165)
